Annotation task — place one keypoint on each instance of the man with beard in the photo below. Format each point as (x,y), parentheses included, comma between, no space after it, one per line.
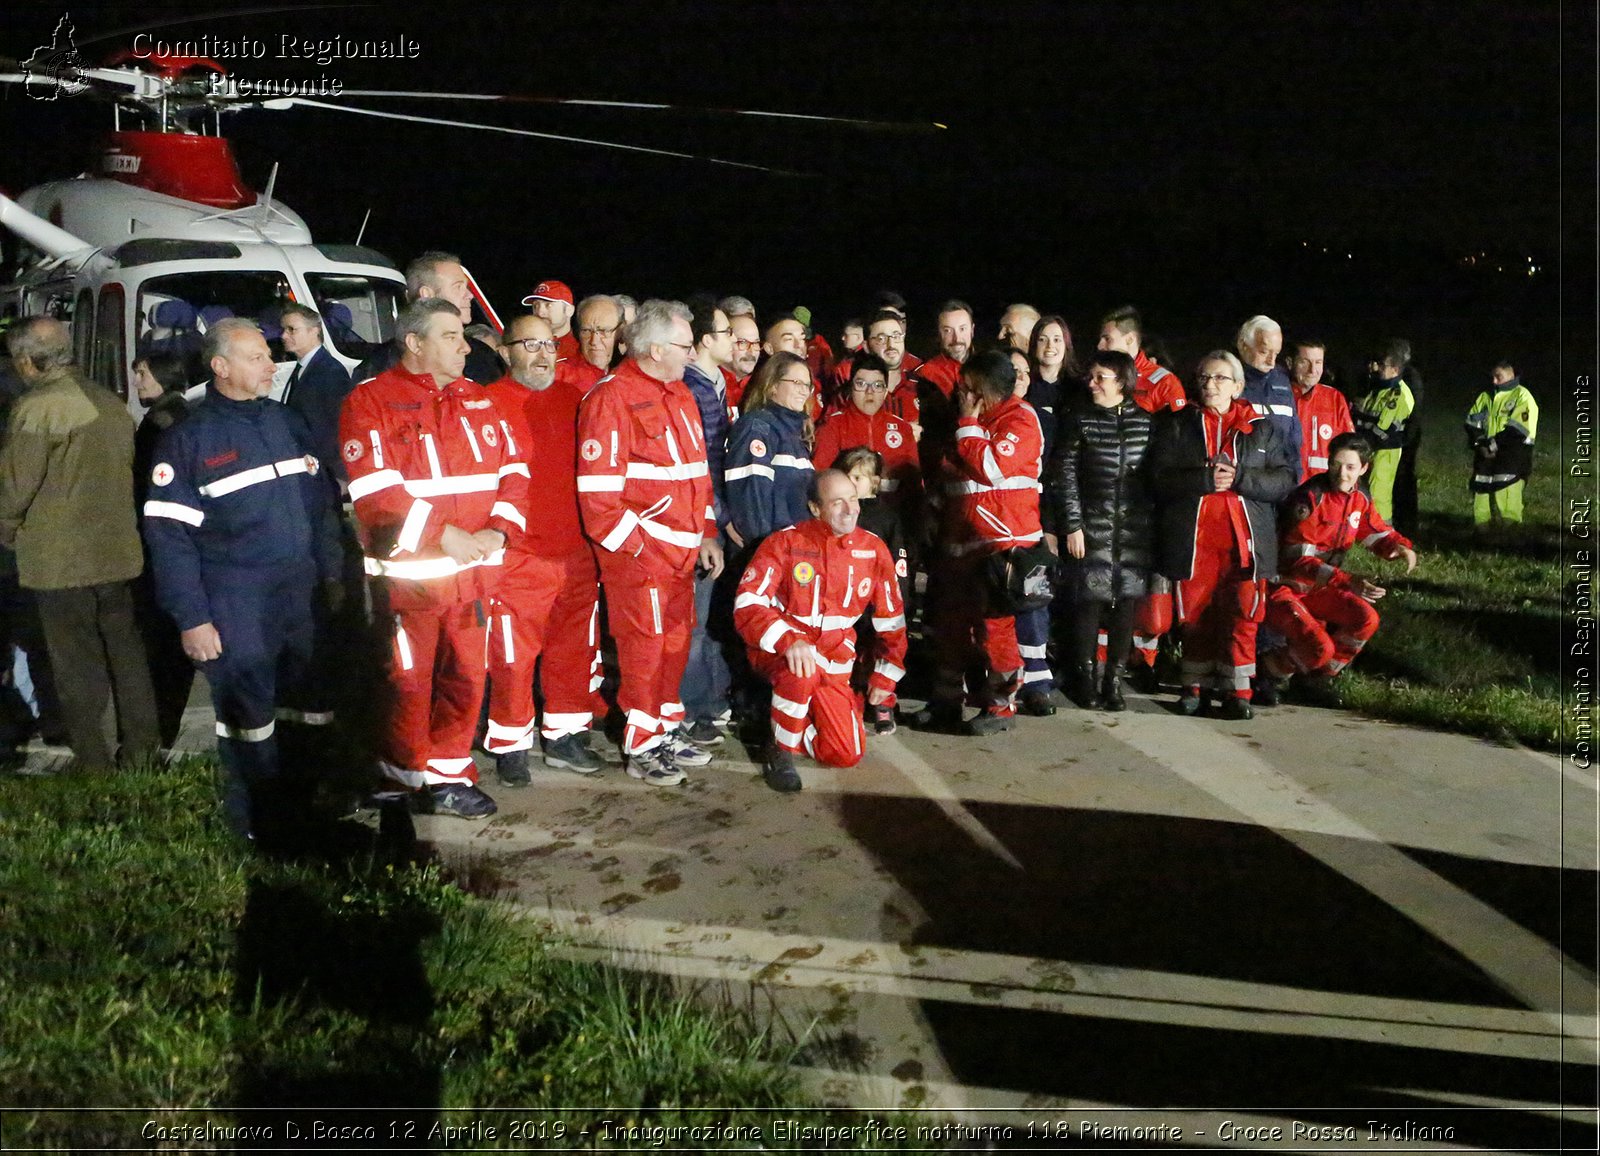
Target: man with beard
(546,606)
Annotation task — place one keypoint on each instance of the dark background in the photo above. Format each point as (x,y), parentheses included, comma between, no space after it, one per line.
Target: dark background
(1328,163)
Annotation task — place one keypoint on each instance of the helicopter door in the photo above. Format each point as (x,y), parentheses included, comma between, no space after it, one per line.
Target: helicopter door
(83,331)
(110,343)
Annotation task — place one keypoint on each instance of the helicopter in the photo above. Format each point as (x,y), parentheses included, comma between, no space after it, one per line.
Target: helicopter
(162,237)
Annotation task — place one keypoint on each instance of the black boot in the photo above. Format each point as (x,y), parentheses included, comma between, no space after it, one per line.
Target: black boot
(1111,688)
(1080,685)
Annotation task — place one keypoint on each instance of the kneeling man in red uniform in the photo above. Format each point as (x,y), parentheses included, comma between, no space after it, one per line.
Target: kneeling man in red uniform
(1322,613)
(796,610)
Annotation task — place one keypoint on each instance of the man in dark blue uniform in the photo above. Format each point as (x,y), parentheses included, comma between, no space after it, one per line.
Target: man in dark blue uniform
(242,528)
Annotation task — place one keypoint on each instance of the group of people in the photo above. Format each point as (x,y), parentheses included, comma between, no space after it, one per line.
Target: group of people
(665,509)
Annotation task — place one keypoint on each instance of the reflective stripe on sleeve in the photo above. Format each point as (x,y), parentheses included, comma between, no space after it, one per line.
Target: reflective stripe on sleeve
(753,470)
(600,484)
(510,513)
(174,510)
(422,569)
(769,638)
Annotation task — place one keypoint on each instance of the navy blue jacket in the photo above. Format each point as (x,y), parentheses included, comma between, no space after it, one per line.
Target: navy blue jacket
(317,396)
(714,419)
(1272,394)
(769,471)
(237,499)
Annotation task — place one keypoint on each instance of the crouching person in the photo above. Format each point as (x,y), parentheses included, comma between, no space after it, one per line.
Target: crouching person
(796,610)
(1324,614)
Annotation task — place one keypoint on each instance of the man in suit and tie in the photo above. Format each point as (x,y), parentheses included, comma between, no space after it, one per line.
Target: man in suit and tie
(317,385)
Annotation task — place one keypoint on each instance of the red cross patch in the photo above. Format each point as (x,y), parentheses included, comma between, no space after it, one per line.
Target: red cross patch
(491,435)
(758,449)
(353,449)
(591,450)
(892,439)
(1006,448)
(163,474)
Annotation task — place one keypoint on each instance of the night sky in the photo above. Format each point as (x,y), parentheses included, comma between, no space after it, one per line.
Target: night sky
(1194,159)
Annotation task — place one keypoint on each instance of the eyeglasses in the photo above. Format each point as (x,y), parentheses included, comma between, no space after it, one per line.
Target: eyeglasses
(682,346)
(533,344)
(741,343)
(870,386)
(887,338)
(720,332)
(1104,378)
(595,330)
(1208,378)
(799,383)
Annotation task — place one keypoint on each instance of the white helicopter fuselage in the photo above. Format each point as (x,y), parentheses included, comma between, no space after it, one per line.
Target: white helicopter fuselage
(140,273)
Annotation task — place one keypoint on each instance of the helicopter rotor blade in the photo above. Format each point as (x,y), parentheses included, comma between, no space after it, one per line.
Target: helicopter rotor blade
(651,106)
(127,78)
(304,102)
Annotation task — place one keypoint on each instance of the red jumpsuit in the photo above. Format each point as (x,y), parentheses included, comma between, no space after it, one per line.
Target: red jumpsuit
(1154,390)
(992,504)
(807,583)
(1315,608)
(547,602)
(645,494)
(1221,603)
(421,457)
(845,427)
(1324,415)
(567,347)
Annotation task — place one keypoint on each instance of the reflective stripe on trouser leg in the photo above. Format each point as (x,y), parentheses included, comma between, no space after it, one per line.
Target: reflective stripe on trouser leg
(819,715)
(435,706)
(650,664)
(1033,632)
(1151,619)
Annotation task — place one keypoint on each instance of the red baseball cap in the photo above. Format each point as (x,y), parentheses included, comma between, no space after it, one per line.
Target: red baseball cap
(549,291)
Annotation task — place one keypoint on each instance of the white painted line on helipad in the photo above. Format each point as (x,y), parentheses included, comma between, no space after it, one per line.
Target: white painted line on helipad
(1519,961)
(920,972)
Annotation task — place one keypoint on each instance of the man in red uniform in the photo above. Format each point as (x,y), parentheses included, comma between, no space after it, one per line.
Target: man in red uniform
(546,608)
(796,610)
(860,420)
(598,320)
(437,494)
(992,504)
(645,494)
(886,337)
(936,382)
(1324,413)
(551,302)
(1323,613)
(1154,390)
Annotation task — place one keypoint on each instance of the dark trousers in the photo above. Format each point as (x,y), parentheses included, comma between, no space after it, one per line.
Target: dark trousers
(1087,619)
(1405,488)
(97,654)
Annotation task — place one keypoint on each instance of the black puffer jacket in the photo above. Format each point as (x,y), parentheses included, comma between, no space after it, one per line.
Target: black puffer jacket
(1099,482)
(1181,473)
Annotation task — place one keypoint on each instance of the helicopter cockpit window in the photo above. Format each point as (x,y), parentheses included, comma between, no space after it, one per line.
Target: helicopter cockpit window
(358,312)
(175,311)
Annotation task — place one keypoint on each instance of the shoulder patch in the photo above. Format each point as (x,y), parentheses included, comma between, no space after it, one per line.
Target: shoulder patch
(892,437)
(758,448)
(353,449)
(1006,448)
(312,465)
(491,435)
(590,450)
(163,474)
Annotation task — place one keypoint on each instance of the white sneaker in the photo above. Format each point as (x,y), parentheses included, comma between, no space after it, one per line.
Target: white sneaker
(683,753)
(655,767)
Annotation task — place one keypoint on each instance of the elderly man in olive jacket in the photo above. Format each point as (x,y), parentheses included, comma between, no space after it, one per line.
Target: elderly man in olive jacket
(66,507)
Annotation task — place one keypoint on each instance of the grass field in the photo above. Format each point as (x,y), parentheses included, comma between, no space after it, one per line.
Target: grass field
(149,965)
(1472,640)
